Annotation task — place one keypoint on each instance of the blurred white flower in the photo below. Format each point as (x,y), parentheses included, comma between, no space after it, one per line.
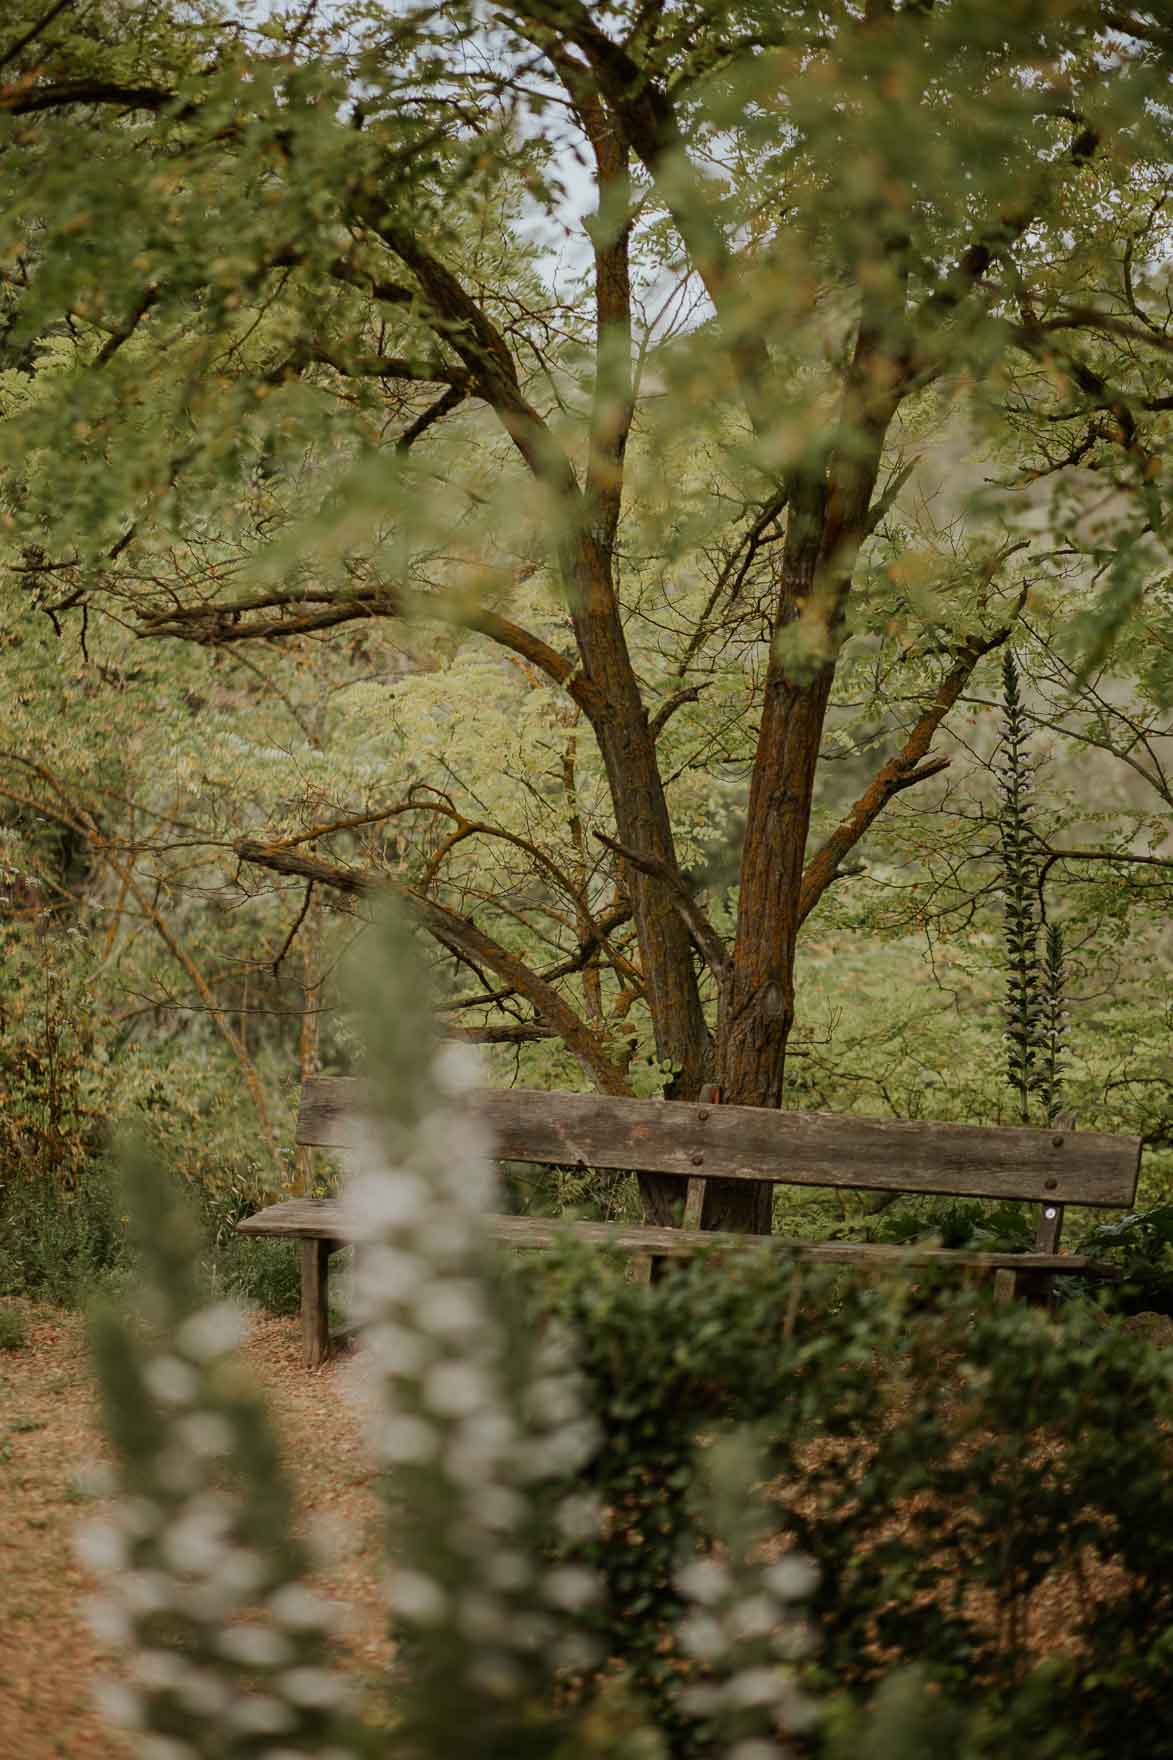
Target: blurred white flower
(300,1609)
(206,1434)
(118,1704)
(254,1646)
(497,1674)
(757,1686)
(571,1588)
(99,1546)
(754,1617)
(417,1597)
(705,1580)
(212,1332)
(701,1636)
(792,1578)
(458,1067)
(396,1351)
(405,1440)
(454,1389)
(109,1622)
(316,1688)
(158,1670)
(451,1308)
(382,1198)
(171,1381)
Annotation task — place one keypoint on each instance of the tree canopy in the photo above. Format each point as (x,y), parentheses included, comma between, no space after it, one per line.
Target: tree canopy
(581,466)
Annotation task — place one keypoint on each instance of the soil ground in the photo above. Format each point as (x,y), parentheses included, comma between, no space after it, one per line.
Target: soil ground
(49,1433)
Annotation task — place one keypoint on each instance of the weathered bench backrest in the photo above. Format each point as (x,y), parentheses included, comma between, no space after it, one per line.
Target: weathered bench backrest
(1053,1166)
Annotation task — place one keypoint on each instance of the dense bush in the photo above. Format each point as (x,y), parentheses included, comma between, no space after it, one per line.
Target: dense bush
(946,1466)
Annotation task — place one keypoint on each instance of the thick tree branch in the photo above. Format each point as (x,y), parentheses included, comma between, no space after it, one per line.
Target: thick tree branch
(704,937)
(653,133)
(904,770)
(214,626)
(461,936)
(26,99)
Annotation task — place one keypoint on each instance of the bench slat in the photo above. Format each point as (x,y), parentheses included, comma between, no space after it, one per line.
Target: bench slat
(328,1219)
(1055,1166)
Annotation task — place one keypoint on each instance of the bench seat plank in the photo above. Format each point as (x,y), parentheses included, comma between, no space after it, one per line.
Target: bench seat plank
(327,1219)
(1052,1166)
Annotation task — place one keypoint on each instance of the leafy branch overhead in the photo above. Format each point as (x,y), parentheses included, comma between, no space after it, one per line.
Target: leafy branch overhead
(602,414)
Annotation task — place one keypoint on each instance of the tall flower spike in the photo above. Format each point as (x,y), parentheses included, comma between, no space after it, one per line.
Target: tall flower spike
(746,1627)
(1020,908)
(474,1424)
(225,1651)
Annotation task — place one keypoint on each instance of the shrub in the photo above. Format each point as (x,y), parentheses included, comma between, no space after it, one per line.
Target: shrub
(13,1331)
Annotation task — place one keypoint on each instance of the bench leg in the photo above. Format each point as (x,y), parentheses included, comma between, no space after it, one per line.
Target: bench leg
(1005,1285)
(315,1301)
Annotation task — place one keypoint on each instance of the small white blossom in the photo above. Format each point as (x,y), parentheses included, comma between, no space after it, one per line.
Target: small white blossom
(203,1692)
(405,1440)
(386,1199)
(241,1570)
(497,1674)
(108,1621)
(455,1389)
(165,1748)
(702,1637)
(705,1580)
(95,1479)
(213,1332)
(158,1670)
(171,1381)
(508,1571)
(315,1688)
(757,1686)
(100,1547)
(398,1351)
(458,1067)
(574,1650)
(300,1609)
(480,1617)
(145,1592)
(578,1516)
(118,1704)
(754,1617)
(500,1508)
(205,1434)
(254,1646)
(792,1578)
(417,1597)
(570,1588)
(451,1308)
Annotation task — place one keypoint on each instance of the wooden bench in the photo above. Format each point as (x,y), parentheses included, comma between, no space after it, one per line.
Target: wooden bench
(698,1141)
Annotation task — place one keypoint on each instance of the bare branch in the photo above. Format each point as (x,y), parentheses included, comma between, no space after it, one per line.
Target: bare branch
(704,937)
(905,769)
(462,936)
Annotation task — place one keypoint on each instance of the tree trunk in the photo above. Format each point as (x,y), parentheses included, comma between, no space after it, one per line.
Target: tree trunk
(641,816)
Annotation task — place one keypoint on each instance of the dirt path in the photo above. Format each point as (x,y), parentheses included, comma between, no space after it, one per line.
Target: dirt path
(48,1432)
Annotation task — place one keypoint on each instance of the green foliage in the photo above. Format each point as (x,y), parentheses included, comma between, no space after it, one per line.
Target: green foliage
(13,1330)
(60,1245)
(1141,1244)
(945,1468)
